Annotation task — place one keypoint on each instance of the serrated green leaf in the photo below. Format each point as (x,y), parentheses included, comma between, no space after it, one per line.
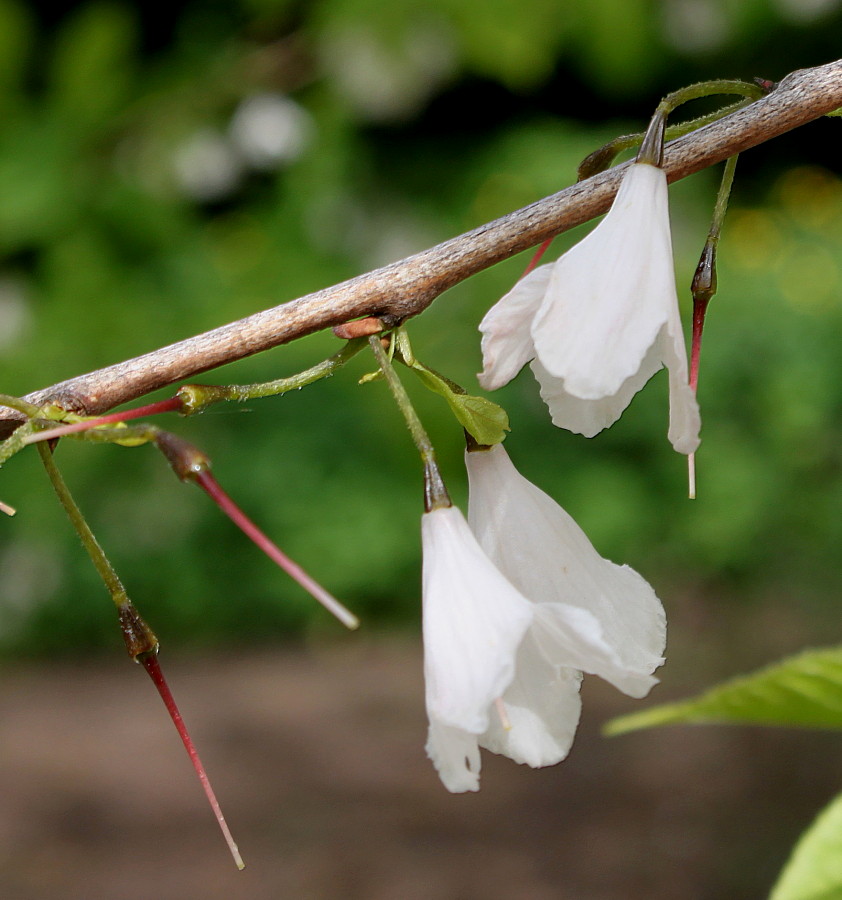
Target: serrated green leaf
(484,420)
(814,871)
(803,691)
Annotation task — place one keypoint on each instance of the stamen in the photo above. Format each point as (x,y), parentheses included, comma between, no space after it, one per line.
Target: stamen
(691,476)
(212,488)
(5,508)
(503,715)
(150,662)
(174,404)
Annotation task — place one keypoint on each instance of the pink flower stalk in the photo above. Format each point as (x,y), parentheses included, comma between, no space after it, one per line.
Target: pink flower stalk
(212,488)
(142,646)
(536,257)
(174,404)
(149,661)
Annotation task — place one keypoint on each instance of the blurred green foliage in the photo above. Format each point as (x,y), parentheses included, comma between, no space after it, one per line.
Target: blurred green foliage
(142,204)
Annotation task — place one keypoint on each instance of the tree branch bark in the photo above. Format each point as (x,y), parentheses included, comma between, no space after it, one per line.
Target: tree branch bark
(406,288)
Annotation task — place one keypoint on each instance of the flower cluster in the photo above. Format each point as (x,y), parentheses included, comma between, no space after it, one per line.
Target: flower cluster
(517,602)
(517,605)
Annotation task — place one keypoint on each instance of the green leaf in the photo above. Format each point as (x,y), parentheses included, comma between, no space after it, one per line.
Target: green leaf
(814,871)
(484,420)
(805,691)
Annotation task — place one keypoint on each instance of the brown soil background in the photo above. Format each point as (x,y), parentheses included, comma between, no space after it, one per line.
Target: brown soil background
(317,757)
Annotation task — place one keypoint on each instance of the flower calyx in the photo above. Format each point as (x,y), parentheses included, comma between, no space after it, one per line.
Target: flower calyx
(139,638)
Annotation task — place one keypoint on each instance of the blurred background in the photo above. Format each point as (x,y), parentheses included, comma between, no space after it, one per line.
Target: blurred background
(164,172)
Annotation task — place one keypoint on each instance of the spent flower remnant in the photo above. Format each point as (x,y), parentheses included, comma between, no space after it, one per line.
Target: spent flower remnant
(515,610)
(601,320)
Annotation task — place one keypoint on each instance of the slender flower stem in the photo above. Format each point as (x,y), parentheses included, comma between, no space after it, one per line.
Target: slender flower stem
(89,541)
(197,397)
(8,510)
(149,661)
(16,441)
(140,640)
(211,487)
(173,404)
(435,493)
(602,159)
(536,257)
(749,90)
(703,288)
(22,406)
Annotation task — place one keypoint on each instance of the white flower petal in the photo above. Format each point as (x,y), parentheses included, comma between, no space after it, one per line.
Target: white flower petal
(574,637)
(685,419)
(473,621)
(589,417)
(542,706)
(455,755)
(506,329)
(550,560)
(611,293)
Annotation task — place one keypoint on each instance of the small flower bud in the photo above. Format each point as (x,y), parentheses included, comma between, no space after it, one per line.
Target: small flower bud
(186,460)
(703,286)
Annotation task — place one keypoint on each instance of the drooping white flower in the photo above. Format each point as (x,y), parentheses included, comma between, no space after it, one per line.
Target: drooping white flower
(516,607)
(601,320)
(473,622)
(589,614)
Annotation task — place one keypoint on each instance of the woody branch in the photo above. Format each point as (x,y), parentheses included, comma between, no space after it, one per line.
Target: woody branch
(406,288)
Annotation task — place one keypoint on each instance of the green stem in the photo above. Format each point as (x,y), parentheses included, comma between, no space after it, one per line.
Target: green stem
(197,397)
(96,553)
(22,406)
(652,146)
(703,286)
(435,494)
(604,157)
(601,159)
(16,441)
(709,89)
(723,197)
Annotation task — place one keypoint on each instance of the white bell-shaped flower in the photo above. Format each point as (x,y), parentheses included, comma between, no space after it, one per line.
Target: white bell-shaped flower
(473,622)
(601,320)
(589,614)
(516,607)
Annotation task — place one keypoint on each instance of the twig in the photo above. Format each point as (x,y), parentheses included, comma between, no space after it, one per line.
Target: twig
(406,288)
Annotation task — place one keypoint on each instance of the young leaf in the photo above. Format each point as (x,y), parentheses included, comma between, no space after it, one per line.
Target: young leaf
(484,420)
(814,871)
(805,691)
